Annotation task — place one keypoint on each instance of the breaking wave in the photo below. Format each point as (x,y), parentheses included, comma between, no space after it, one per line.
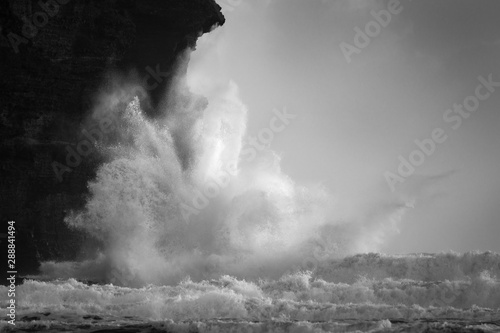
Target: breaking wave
(182,193)
(372,298)
(458,280)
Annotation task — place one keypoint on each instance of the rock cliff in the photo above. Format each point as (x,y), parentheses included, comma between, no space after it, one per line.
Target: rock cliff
(56,54)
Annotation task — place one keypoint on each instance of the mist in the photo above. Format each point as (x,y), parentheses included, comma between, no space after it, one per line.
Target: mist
(186,194)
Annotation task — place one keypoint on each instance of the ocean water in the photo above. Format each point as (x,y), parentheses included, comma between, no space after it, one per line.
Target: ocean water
(362,293)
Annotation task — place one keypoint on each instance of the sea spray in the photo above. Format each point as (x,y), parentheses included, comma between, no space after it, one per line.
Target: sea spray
(142,203)
(405,287)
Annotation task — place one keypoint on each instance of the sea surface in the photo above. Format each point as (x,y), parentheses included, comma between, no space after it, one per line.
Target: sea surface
(362,293)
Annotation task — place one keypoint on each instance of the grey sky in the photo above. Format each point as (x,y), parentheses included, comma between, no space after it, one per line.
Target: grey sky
(356,118)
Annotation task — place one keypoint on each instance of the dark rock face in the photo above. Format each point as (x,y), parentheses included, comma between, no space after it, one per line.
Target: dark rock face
(55,55)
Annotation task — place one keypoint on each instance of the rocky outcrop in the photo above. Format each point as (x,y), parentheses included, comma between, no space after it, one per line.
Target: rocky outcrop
(55,56)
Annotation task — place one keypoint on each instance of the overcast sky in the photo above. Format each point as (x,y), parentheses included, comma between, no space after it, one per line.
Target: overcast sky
(356,118)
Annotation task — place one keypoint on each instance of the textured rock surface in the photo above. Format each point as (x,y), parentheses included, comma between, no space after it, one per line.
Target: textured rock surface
(49,77)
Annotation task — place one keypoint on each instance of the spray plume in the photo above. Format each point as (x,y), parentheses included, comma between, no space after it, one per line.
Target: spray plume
(145,201)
